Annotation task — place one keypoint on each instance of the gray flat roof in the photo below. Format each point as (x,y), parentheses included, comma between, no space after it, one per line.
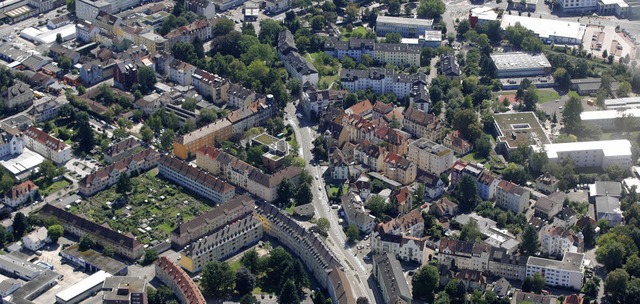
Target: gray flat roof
(404,21)
(519,129)
(570,262)
(519,61)
(95,258)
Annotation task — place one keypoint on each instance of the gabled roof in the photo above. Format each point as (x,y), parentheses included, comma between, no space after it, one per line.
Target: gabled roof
(21,189)
(44,138)
(510,187)
(361,108)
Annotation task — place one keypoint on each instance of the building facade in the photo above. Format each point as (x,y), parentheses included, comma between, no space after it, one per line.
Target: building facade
(178,281)
(46,145)
(568,273)
(431,157)
(406,27)
(512,197)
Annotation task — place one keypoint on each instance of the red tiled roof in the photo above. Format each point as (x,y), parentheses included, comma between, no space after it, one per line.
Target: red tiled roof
(21,190)
(186,286)
(45,139)
(361,107)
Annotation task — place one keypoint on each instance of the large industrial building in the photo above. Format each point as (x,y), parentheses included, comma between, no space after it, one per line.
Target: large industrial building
(520,64)
(627,102)
(548,30)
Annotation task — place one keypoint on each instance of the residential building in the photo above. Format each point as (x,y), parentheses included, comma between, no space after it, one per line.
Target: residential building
(487,184)
(205,8)
(277,6)
(46,145)
(573,299)
(547,183)
(465,254)
(456,143)
(354,48)
(406,27)
(358,128)
(568,273)
(36,239)
(356,214)
(444,207)
(517,64)
(492,235)
(223,5)
(340,293)
(314,102)
(557,31)
(46,110)
(580,6)
(390,278)
(107,176)
(422,124)
(410,224)
(296,64)
(370,155)
(449,66)
(619,8)
(514,130)
(124,290)
(196,180)
(588,86)
(187,144)
(89,9)
(308,246)
(399,169)
(506,265)
(125,74)
(243,175)
(201,29)
(380,81)
(17,96)
(397,54)
(429,156)
(361,109)
(520,297)
(512,197)
(11,141)
(557,240)
(212,220)
(433,184)
(402,199)
(547,208)
(602,153)
(123,245)
(239,96)
(86,31)
(616,119)
(178,281)
(608,208)
(20,194)
(338,166)
(221,244)
(121,150)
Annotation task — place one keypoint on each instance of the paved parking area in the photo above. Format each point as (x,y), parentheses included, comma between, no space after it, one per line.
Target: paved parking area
(71,276)
(600,38)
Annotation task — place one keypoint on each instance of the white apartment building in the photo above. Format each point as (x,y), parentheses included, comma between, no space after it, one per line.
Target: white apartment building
(467,255)
(619,8)
(405,248)
(46,145)
(11,141)
(603,153)
(406,27)
(36,239)
(612,119)
(557,240)
(568,273)
(89,9)
(430,156)
(512,197)
(20,194)
(380,81)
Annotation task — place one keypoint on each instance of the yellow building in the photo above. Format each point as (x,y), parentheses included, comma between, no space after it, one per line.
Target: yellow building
(187,144)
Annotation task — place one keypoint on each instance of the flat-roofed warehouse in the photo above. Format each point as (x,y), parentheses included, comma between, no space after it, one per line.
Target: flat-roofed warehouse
(548,30)
(82,289)
(518,64)
(406,27)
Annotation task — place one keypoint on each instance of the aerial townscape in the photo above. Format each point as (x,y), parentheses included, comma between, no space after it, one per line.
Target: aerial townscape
(320,152)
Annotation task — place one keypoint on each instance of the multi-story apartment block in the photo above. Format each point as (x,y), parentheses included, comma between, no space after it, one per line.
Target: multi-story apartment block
(242,174)
(317,101)
(212,220)
(20,194)
(189,143)
(393,285)
(356,214)
(354,48)
(393,53)
(406,27)
(257,113)
(619,8)
(196,180)
(239,97)
(86,31)
(46,110)
(11,141)
(125,74)
(466,255)
(509,266)
(399,169)
(603,153)
(277,6)
(124,290)
(568,273)
(423,124)
(410,224)
(558,240)
(512,197)
(547,183)
(89,9)
(46,145)
(180,72)
(17,96)
(124,245)
(397,141)
(306,245)
(458,144)
(178,281)
(121,150)
(577,6)
(109,175)
(487,183)
(380,81)
(223,5)
(370,155)
(359,128)
(297,66)
(221,244)
(201,29)
(339,292)
(205,8)
(431,157)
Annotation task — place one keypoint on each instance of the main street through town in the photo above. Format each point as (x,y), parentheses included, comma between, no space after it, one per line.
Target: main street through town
(355,269)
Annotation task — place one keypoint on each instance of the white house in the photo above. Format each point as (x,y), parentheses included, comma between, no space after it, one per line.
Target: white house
(603,153)
(20,194)
(512,197)
(46,145)
(557,240)
(36,239)
(568,273)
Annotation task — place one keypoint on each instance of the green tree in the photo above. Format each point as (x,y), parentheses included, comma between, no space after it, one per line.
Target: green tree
(323,224)
(162,295)
(245,281)
(589,233)
(54,232)
(285,191)
(592,287)
(571,114)
(615,285)
(632,266)
(431,9)
(352,11)
(124,184)
(20,224)
(269,31)
(466,193)
(611,255)
(463,27)
(146,79)
(537,283)
(456,291)
(49,170)
(624,89)
(251,260)
(317,23)
(377,205)
(289,293)
(425,283)
(352,233)
(393,7)
(146,133)
(223,27)
(466,121)
(166,139)
(392,37)
(483,145)
(71,6)
(217,279)
(530,244)
(562,78)
(470,232)
(304,195)
(86,243)
(248,299)
(150,256)
(84,133)
(65,63)
(515,173)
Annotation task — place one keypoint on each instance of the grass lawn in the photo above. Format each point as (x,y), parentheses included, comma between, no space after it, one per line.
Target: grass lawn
(153,209)
(474,157)
(326,81)
(548,95)
(359,31)
(333,190)
(290,209)
(56,186)
(328,68)
(235,265)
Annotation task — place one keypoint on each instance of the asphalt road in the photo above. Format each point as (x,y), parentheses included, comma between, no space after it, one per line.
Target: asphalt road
(354,268)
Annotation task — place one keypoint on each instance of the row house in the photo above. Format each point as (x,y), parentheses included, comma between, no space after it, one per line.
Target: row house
(487,184)
(506,265)
(20,194)
(200,29)
(123,245)
(431,157)
(221,244)
(210,85)
(212,220)
(456,143)
(358,128)
(46,145)
(465,255)
(399,169)
(433,184)
(405,248)
(317,101)
(186,145)
(370,155)
(178,281)
(380,81)
(558,240)
(255,114)
(306,245)
(243,174)
(356,214)
(394,140)
(470,279)
(510,196)
(381,109)
(422,124)
(354,48)
(196,180)
(410,224)
(363,108)
(239,97)
(109,175)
